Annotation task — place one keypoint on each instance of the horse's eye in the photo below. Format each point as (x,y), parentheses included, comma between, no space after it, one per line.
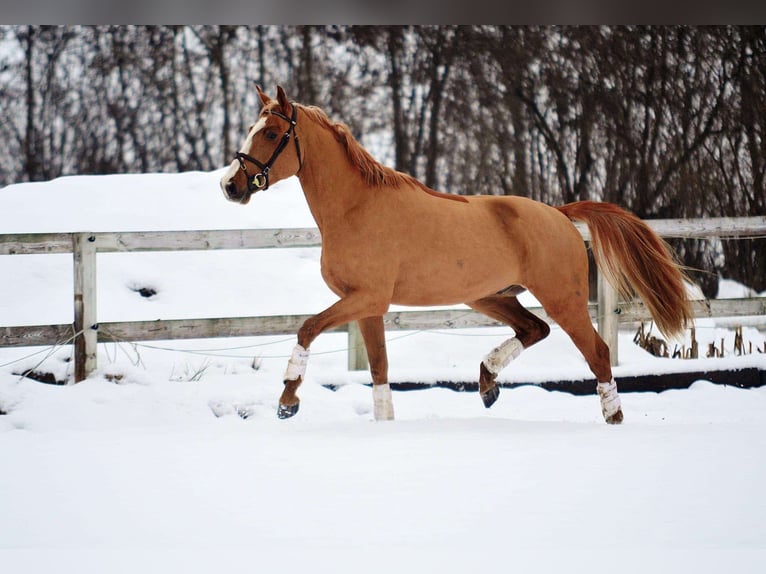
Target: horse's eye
(271,136)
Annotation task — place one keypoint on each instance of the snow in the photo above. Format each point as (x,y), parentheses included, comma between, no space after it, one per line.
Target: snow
(171,458)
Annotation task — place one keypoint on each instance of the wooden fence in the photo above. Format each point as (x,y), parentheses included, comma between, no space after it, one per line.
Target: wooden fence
(86,331)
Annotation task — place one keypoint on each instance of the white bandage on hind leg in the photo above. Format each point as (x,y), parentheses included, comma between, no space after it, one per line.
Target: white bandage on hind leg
(499,357)
(383,404)
(610,400)
(296,366)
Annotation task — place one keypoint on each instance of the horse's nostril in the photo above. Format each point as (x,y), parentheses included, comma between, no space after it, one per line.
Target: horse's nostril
(231,189)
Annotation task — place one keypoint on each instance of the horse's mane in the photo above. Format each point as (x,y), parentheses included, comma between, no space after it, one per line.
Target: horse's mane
(374,173)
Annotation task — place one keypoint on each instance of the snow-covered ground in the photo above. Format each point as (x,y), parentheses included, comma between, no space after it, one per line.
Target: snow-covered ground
(170,458)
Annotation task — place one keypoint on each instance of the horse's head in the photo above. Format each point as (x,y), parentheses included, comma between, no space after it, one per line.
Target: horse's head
(265,157)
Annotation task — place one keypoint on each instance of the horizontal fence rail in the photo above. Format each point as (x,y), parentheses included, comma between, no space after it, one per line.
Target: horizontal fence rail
(169,329)
(137,241)
(86,332)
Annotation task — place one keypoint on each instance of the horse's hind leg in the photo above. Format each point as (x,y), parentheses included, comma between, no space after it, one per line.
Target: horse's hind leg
(373,333)
(571,313)
(529,330)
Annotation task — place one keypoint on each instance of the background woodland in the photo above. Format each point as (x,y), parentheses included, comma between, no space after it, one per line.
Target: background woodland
(668,121)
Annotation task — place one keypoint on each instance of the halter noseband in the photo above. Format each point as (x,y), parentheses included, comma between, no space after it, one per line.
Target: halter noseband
(260,180)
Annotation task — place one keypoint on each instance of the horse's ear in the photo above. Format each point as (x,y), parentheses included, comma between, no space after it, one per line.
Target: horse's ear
(286,106)
(263,97)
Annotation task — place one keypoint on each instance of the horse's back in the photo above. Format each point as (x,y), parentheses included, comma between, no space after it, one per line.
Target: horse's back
(530,222)
(458,251)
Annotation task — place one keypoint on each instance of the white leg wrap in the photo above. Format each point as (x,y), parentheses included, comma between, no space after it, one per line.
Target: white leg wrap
(610,400)
(500,356)
(383,405)
(296,366)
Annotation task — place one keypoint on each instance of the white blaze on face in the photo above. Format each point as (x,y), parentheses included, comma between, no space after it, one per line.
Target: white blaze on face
(234,166)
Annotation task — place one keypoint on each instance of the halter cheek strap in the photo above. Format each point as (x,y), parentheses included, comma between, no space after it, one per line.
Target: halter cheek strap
(260,180)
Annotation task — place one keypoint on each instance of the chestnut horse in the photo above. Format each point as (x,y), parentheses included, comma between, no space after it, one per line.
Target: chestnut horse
(387,238)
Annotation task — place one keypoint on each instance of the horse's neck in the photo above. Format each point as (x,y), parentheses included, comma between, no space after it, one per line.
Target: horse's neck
(332,186)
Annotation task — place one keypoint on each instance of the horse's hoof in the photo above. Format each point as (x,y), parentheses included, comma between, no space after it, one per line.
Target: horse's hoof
(490,396)
(285,411)
(615,419)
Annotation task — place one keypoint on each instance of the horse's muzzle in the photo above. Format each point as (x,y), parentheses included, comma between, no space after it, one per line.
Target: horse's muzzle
(232,194)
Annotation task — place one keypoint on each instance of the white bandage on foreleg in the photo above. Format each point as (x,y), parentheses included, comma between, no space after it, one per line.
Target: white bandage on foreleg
(500,356)
(296,366)
(610,400)
(383,404)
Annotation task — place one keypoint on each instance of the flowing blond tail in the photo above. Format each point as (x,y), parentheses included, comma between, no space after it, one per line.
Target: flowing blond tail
(634,259)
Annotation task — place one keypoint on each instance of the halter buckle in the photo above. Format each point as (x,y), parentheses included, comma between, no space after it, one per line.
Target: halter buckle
(259,180)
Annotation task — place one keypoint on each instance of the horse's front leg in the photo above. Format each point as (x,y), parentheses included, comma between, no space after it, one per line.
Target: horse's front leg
(354,306)
(374,334)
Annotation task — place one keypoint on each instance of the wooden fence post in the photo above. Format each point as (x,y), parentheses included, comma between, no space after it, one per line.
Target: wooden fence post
(357,354)
(85,323)
(608,317)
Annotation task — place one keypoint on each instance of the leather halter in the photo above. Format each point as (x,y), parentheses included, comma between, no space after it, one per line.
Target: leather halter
(260,180)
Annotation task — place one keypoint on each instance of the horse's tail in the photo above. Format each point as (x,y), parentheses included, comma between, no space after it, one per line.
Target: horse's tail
(633,258)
